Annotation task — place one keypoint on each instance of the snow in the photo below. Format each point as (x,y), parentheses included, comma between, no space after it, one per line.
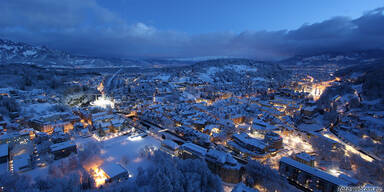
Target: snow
(60,146)
(21,162)
(117,148)
(113,170)
(310,127)
(211,71)
(188,96)
(205,77)
(163,77)
(39,108)
(29,53)
(248,141)
(113,151)
(7,47)
(170,144)
(3,168)
(3,150)
(314,171)
(259,79)
(194,148)
(241,68)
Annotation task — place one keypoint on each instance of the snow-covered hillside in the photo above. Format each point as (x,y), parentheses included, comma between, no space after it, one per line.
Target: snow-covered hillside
(19,52)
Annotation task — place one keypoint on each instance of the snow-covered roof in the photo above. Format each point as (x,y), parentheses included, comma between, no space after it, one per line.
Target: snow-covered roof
(316,172)
(195,148)
(8,136)
(20,162)
(219,156)
(61,146)
(259,123)
(113,170)
(211,126)
(244,139)
(170,144)
(3,150)
(305,156)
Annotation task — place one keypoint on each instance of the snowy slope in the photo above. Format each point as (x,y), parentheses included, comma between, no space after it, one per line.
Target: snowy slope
(18,52)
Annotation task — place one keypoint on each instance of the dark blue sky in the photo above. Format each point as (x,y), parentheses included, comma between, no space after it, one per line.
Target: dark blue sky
(202,16)
(264,29)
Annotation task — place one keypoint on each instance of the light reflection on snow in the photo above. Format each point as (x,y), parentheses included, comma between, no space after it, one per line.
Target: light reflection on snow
(103,102)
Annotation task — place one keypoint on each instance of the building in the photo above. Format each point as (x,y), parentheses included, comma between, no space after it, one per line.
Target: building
(260,126)
(15,137)
(274,141)
(169,147)
(61,150)
(305,158)
(190,150)
(114,172)
(3,153)
(309,111)
(224,165)
(21,163)
(251,144)
(309,178)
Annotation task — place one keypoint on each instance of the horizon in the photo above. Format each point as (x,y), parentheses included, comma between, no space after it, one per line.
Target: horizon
(271,32)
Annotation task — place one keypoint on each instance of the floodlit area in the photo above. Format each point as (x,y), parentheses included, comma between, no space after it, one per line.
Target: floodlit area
(317,89)
(125,149)
(349,148)
(103,102)
(295,143)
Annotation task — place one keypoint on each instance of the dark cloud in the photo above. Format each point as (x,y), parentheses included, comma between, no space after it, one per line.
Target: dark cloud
(84,27)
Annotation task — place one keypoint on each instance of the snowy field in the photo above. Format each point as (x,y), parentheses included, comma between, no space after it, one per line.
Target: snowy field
(119,150)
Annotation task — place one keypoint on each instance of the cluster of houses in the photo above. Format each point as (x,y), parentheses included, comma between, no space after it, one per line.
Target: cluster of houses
(219,162)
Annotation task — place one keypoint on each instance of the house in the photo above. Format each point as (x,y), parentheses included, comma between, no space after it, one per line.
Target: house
(274,141)
(309,111)
(61,150)
(305,158)
(169,147)
(114,172)
(190,150)
(224,165)
(251,144)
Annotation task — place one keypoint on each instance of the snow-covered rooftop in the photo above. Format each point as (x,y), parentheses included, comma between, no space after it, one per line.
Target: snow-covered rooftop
(321,174)
(3,150)
(195,148)
(170,144)
(305,156)
(113,170)
(63,145)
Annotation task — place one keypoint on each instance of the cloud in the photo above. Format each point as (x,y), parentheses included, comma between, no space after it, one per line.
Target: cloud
(84,27)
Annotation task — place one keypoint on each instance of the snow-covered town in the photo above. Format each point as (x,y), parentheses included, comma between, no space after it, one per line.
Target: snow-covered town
(310,122)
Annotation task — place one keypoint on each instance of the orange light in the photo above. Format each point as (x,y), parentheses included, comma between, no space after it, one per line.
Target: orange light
(99,176)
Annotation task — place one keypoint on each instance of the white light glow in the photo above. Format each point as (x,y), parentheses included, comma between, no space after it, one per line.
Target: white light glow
(334,172)
(103,102)
(135,138)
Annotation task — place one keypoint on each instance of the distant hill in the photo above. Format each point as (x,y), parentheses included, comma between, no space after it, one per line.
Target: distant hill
(19,52)
(344,59)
